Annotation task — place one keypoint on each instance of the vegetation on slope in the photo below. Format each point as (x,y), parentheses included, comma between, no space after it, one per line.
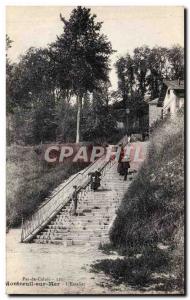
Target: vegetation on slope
(30,180)
(148,228)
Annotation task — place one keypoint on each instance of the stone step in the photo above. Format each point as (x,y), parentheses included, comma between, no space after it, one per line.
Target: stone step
(86,221)
(79,222)
(82,219)
(96,211)
(93,215)
(88,225)
(93,205)
(93,227)
(83,227)
(73,238)
(71,242)
(73,234)
(55,226)
(83,239)
(80,243)
(55,242)
(54,231)
(78,230)
(81,233)
(83,208)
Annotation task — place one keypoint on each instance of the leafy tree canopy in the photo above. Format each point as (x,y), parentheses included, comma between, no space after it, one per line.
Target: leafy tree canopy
(142,73)
(81,53)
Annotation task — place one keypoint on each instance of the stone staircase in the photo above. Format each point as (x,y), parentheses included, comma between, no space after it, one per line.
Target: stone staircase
(95,214)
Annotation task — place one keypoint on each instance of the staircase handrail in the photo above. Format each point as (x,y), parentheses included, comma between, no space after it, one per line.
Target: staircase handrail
(54,204)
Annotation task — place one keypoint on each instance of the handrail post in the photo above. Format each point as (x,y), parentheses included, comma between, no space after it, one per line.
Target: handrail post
(22,223)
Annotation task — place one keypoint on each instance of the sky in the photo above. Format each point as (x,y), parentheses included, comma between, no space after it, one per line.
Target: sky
(126,27)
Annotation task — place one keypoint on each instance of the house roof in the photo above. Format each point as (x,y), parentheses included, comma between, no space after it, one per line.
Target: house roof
(121,105)
(174,84)
(153,102)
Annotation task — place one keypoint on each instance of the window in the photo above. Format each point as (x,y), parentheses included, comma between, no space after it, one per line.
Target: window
(168,91)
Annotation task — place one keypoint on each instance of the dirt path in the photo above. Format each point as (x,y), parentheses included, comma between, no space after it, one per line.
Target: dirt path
(52,264)
(54,269)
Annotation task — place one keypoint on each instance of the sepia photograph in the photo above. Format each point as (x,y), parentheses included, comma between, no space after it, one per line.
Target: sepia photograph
(95,149)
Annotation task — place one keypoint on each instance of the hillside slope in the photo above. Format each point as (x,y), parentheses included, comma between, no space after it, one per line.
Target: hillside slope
(151,217)
(30,180)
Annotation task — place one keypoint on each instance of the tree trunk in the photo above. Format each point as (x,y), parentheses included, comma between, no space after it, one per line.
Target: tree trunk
(79,105)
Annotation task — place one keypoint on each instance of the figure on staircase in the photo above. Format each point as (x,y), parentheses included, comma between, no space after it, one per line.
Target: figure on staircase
(75,200)
(95,180)
(126,167)
(120,163)
(123,162)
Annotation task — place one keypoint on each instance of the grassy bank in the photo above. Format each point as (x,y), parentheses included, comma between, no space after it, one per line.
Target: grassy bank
(148,228)
(30,180)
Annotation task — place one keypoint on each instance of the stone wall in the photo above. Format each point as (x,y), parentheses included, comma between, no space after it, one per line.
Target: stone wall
(154,113)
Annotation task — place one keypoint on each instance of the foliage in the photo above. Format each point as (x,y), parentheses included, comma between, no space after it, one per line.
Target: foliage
(31,89)
(99,124)
(44,84)
(137,272)
(151,212)
(32,126)
(82,52)
(66,121)
(142,73)
(81,55)
(32,78)
(9,74)
(30,180)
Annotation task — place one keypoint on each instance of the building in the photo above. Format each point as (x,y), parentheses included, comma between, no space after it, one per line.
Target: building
(171,99)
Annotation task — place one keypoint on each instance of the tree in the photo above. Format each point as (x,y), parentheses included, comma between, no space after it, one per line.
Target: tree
(99,124)
(158,69)
(9,77)
(144,72)
(141,68)
(66,121)
(81,55)
(34,95)
(176,60)
(125,72)
(33,77)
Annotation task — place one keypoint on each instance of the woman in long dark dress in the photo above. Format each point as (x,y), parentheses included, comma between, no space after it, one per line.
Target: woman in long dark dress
(126,167)
(120,163)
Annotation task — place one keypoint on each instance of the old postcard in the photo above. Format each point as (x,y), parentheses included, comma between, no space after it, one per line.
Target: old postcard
(95,150)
